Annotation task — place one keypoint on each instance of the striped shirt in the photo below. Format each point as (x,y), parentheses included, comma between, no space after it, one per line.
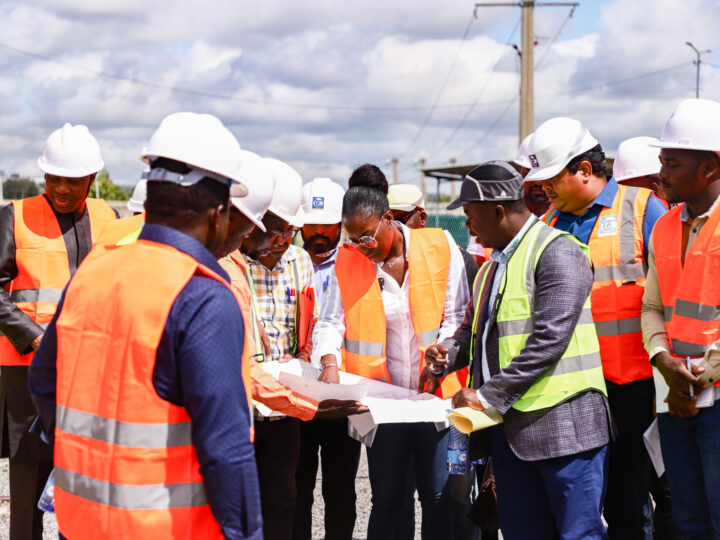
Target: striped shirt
(277,296)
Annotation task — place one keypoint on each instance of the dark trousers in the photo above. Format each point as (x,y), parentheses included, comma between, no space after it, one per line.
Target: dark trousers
(388,459)
(277,447)
(549,498)
(691,452)
(27,481)
(627,505)
(663,525)
(340,455)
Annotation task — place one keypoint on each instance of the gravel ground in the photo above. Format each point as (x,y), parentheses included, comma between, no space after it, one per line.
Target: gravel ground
(363,506)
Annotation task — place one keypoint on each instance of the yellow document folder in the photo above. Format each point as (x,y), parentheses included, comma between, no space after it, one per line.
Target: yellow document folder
(467,419)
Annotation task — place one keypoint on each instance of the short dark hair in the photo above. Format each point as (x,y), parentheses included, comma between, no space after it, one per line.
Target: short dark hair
(366,200)
(180,206)
(369,175)
(516,207)
(595,156)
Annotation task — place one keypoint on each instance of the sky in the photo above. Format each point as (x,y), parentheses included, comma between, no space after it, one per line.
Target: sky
(327,85)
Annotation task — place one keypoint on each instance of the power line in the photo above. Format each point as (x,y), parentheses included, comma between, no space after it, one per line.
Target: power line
(556,36)
(442,87)
(227,97)
(477,99)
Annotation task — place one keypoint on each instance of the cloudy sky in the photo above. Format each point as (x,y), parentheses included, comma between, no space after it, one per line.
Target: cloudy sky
(326,84)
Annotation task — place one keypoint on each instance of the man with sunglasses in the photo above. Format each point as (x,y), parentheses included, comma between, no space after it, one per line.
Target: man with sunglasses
(407,205)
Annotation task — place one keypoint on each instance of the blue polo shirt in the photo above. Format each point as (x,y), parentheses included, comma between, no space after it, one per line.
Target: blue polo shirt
(581,226)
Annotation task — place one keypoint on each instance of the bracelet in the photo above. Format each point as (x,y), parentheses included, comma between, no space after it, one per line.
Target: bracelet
(329,365)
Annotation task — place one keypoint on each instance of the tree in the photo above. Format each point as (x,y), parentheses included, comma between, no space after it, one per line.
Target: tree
(19,188)
(108,189)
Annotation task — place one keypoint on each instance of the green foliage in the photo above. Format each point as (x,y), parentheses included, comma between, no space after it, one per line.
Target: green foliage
(19,188)
(108,189)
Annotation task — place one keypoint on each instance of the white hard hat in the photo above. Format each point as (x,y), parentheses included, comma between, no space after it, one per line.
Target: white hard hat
(260,184)
(287,196)
(635,157)
(521,159)
(322,202)
(405,197)
(693,125)
(554,144)
(71,152)
(139,194)
(200,141)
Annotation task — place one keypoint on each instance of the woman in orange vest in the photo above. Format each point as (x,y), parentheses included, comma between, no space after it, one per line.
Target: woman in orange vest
(394,292)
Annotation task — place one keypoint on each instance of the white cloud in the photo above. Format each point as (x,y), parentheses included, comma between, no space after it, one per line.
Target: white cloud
(365,65)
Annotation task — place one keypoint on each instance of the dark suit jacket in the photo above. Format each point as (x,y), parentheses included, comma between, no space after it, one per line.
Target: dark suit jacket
(564,279)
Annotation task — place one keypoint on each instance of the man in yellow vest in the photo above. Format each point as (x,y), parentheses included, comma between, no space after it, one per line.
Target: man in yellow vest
(530,341)
(680,315)
(43,239)
(615,221)
(142,378)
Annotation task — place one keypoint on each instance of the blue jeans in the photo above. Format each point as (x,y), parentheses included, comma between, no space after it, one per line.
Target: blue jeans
(550,498)
(691,452)
(388,459)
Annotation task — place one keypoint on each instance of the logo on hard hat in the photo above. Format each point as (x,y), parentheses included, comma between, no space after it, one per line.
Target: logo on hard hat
(534,160)
(318,203)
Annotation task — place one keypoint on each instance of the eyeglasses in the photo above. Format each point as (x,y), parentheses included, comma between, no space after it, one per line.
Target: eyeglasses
(404,218)
(287,235)
(365,241)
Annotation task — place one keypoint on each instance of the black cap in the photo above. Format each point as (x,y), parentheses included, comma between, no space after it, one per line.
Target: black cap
(494,181)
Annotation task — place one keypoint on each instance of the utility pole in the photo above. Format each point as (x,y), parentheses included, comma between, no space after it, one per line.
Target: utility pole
(423,178)
(527,57)
(697,63)
(452,184)
(395,161)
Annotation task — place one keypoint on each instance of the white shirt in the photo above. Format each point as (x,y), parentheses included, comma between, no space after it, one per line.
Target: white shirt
(403,361)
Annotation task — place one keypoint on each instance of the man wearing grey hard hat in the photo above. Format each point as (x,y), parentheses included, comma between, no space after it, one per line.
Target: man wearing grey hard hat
(522,337)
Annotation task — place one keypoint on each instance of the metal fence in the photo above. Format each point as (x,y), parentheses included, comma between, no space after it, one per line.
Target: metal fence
(452,221)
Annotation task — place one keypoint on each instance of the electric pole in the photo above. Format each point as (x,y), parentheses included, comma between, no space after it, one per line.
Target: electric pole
(697,63)
(453,161)
(527,57)
(423,178)
(395,169)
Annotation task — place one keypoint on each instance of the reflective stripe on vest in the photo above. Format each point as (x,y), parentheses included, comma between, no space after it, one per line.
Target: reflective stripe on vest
(365,332)
(617,252)
(126,465)
(690,289)
(580,368)
(42,262)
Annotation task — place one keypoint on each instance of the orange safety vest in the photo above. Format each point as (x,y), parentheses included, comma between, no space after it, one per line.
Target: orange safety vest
(691,291)
(235,265)
(363,350)
(125,463)
(616,250)
(42,263)
(113,232)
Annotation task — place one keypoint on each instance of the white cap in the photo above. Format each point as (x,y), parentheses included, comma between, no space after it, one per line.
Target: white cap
(693,125)
(287,196)
(635,158)
(405,197)
(71,152)
(260,186)
(521,159)
(322,201)
(554,144)
(139,194)
(201,142)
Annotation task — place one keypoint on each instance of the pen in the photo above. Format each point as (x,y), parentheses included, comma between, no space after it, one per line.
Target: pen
(692,391)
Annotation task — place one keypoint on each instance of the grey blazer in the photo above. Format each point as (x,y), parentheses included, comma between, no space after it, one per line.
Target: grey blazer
(563,279)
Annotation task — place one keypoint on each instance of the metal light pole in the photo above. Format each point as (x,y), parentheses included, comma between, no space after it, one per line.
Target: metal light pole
(697,63)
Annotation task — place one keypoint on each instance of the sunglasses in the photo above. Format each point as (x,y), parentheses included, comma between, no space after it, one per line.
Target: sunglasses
(365,241)
(404,218)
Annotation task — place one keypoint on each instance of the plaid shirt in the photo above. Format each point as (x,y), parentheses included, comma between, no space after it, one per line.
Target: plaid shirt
(278,309)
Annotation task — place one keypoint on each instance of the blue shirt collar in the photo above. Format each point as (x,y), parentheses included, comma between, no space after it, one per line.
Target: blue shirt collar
(327,262)
(607,195)
(184,243)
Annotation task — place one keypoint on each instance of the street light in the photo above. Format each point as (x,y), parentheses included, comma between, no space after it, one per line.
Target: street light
(697,63)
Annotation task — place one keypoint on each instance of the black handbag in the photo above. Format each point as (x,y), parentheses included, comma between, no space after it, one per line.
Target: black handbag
(484,509)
